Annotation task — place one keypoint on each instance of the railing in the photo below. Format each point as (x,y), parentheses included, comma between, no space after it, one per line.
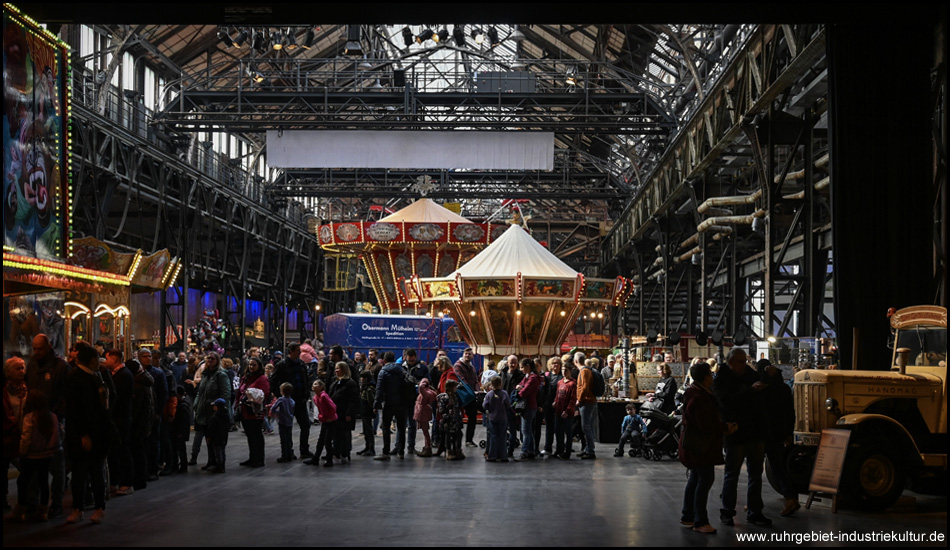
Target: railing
(126,111)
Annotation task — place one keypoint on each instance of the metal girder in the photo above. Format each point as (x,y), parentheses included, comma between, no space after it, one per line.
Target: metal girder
(333,93)
(373,184)
(742,91)
(291,109)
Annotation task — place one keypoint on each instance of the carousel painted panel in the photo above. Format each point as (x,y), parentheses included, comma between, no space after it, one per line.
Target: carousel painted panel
(599,289)
(489,288)
(558,289)
(469,233)
(427,232)
(411,290)
(347,232)
(436,290)
(384,232)
(326,234)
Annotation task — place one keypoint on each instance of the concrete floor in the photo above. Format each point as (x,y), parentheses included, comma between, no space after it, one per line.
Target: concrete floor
(429,501)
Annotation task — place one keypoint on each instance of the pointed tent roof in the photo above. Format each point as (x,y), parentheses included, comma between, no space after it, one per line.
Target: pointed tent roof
(516,252)
(425,210)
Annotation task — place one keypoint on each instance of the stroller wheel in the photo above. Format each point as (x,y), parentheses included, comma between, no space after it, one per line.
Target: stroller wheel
(648,453)
(674,454)
(657,456)
(632,453)
(482,444)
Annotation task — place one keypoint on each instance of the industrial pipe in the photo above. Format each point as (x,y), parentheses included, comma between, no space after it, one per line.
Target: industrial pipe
(733,220)
(728,201)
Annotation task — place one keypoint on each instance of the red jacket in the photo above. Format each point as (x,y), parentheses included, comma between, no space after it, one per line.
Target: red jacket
(566,398)
(701,443)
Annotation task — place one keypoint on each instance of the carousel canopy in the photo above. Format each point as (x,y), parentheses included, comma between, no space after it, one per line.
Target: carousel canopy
(516,252)
(424,210)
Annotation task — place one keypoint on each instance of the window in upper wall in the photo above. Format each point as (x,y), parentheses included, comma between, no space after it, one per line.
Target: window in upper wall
(149,89)
(128,71)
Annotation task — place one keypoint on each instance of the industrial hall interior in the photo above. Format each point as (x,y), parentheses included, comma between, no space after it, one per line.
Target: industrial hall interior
(665,274)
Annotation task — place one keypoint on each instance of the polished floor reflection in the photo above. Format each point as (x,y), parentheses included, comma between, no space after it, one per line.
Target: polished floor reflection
(429,502)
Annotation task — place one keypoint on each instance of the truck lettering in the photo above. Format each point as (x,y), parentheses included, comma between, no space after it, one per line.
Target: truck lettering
(890,390)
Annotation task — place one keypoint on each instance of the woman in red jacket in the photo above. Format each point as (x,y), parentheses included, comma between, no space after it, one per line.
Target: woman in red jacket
(251,407)
(700,447)
(564,408)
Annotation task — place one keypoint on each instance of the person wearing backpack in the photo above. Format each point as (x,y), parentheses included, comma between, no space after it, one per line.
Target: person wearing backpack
(587,403)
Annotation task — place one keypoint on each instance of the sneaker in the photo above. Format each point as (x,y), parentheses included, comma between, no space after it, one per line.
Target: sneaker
(97,516)
(471,444)
(384,456)
(588,456)
(75,516)
(791,506)
(125,491)
(618,452)
(756,518)
(726,519)
(686,522)
(705,529)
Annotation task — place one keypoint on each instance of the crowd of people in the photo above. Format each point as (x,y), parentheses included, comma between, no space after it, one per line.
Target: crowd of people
(125,423)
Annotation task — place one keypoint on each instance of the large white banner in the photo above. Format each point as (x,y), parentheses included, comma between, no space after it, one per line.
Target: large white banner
(473,150)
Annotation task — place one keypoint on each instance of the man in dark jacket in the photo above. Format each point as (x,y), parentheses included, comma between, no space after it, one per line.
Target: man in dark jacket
(293,371)
(143,417)
(779,408)
(391,398)
(120,459)
(737,389)
(160,388)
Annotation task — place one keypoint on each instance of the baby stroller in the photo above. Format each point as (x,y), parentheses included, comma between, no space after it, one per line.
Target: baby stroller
(663,434)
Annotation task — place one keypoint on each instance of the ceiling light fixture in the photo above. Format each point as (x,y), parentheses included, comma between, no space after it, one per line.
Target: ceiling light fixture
(478,36)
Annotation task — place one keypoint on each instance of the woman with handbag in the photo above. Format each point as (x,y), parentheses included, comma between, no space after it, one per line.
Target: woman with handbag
(252,390)
(700,446)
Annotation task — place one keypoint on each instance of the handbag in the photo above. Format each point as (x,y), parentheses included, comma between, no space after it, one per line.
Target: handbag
(465,393)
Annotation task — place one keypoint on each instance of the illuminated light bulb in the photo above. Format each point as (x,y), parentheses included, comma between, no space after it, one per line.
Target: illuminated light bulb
(472,313)
(517,312)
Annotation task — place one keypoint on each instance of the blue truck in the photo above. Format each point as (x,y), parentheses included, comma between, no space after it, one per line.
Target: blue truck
(427,335)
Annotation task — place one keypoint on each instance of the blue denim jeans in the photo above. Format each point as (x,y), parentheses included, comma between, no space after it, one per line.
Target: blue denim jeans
(697,494)
(496,439)
(527,432)
(588,414)
(753,454)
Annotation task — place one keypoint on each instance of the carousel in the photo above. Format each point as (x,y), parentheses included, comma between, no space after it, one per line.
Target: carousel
(515,296)
(422,240)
